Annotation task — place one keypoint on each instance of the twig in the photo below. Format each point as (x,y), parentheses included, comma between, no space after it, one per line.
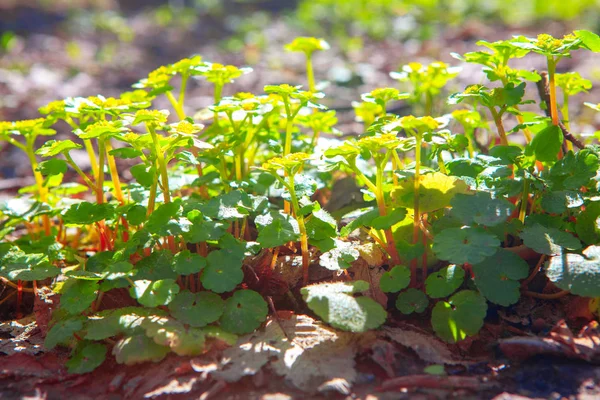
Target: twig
(546,296)
(543,87)
(534,272)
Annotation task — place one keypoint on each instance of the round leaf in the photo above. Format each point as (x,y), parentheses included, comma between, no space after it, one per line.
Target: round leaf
(460,317)
(395,279)
(465,245)
(445,281)
(87,358)
(497,277)
(153,294)
(548,240)
(244,312)
(579,273)
(197,309)
(187,263)
(481,209)
(412,300)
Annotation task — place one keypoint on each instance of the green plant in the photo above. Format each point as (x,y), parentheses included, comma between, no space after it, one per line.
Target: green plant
(206,230)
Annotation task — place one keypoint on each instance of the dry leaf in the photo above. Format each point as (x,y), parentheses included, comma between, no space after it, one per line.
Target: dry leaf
(426,346)
(314,354)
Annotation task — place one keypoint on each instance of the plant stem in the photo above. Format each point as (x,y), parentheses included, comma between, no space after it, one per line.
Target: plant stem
(100,177)
(114,173)
(440,161)
(184,81)
(176,106)
(524,200)
(39,181)
(565,113)
(162,168)
(302,228)
(416,211)
(379,197)
(85,178)
(498,121)
(310,74)
(152,195)
(89,148)
(552,85)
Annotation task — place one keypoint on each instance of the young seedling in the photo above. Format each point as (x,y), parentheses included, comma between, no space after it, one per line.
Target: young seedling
(571,84)
(308,45)
(426,81)
(22,134)
(291,165)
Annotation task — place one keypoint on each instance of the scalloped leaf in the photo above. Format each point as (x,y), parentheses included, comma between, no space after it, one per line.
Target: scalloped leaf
(465,245)
(245,311)
(578,273)
(412,301)
(187,263)
(334,303)
(138,349)
(445,281)
(87,357)
(460,317)
(497,277)
(154,293)
(548,241)
(481,208)
(197,309)
(395,280)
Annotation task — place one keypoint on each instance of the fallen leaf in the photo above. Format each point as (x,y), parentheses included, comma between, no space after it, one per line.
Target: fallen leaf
(428,347)
(314,354)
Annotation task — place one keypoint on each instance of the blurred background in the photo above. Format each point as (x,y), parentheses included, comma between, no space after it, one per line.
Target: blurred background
(52,49)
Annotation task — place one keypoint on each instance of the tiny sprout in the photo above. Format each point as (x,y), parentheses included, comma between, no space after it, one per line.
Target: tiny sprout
(308,45)
(150,117)
(290,163)
(572,83)
(367,111)
(220,75)
(382,96)
(426,81)
(185,128)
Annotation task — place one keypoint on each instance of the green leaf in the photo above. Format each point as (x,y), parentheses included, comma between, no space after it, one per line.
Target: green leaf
(52,148)
(62,332)
(245,311)
(386,222)
(197,309)
(436,191)
(117,270)
(445,281)
(578,273)
(126,320)
(546,144)
(187,263)
(161,217)
(27,267)
(125,152)
(334,303)
(138,349)
(87,357)
(276,229)
(321,226)
(229,206)
(395,279)
(589,39)
(87,213)
(223,272)
(136,214)
(77,295)
(557,202)
(152,294)
(587,226)
(339,257)
(465,245)
(412,300)
(481,209)
(497,277)
(359,218)
(53,166)
(143,174)
(548,240)
(155,267)
(460,317)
